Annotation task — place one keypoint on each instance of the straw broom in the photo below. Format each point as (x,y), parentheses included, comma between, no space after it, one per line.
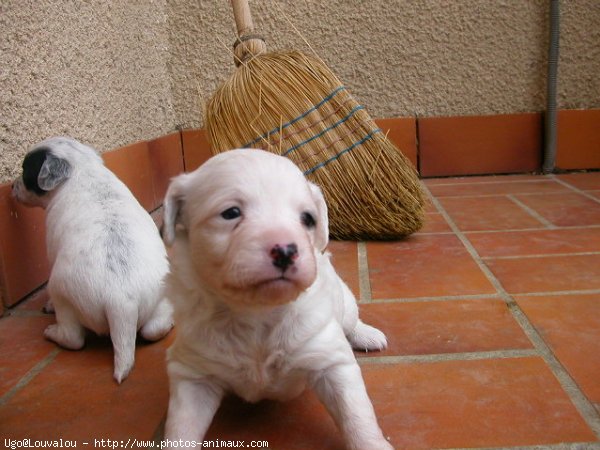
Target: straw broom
(291,104)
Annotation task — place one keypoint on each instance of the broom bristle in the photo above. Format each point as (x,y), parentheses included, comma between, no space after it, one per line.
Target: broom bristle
(291,104)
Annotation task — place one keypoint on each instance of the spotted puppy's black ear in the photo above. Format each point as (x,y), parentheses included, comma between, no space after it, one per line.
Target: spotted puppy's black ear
(43,172)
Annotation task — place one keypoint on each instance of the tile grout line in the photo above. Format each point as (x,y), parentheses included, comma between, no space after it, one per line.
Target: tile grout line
(441,298)
(539,256)
(558,293)
(501,194)
(533,213)
(527,230)
(493,181)
(364,281)
(30,375)
(583,405)
(441,357)
(511,230)
(576,189)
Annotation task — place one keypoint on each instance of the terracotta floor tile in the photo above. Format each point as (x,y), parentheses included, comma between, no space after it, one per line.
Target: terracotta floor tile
(536,242)
(501,187)
(435,223)
(421,328)
(571,326)
(22,346)
(299,424)
(34,302)
(345,260)
(423,266)
(429,206)
(585,181)
(75,397)
(436,405)
(488,213)
(482,403)
(547,274)
(570,209)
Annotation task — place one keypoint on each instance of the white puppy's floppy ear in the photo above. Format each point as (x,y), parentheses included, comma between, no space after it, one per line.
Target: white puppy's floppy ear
(53,172)
(173,206)
(322,231)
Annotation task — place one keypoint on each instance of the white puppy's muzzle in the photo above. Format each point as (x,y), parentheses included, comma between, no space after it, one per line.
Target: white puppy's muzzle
(268,268)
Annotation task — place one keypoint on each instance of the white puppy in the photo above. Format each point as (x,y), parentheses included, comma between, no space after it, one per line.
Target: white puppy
(259,309)
(107,258)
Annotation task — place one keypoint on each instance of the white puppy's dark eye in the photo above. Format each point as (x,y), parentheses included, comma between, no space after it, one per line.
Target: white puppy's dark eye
(308,220)
(231,213)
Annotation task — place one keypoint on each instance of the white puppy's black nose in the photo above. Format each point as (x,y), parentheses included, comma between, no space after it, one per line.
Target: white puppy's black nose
(284,257)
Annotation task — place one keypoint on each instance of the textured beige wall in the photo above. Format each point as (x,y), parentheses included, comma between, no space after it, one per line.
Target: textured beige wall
(579,66)
(406,57)
(94,70)
(116,72)
(398,57)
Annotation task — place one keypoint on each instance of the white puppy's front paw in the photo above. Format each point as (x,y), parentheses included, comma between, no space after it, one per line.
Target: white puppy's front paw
(69,339)
(367,338)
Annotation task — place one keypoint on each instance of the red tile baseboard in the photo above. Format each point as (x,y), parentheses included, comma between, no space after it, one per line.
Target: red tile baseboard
(578,139)
(166,161)
(132,165)
(23,261)
(403,133)
(196,148)
(474,145)
(147,167)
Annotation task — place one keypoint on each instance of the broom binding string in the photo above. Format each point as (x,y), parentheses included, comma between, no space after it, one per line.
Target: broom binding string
(248,44)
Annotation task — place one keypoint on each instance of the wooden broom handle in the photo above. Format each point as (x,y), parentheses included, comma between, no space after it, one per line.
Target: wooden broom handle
(248,44)
(243,18)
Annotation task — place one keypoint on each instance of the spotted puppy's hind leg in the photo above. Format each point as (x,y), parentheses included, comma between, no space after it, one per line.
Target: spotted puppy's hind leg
(67,331)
